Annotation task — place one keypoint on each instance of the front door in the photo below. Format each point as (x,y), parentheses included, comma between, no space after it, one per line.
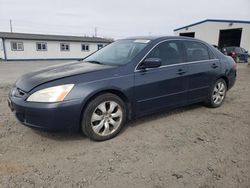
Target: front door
(165,86)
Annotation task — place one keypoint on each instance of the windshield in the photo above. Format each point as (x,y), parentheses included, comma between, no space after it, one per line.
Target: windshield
(229,49)
(118,53)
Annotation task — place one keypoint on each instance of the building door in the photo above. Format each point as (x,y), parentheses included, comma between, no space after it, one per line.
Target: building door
(230,37)
(189,34)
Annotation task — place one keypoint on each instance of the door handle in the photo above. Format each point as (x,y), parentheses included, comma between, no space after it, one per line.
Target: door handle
(181,72)
(214,66)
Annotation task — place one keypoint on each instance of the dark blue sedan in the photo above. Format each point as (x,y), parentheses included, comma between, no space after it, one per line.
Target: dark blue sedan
(124,80)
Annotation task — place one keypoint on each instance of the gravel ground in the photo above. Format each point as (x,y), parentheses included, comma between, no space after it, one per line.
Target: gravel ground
(189,147)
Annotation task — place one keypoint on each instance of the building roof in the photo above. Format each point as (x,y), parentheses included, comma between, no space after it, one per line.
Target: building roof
(214,20)
(29,36)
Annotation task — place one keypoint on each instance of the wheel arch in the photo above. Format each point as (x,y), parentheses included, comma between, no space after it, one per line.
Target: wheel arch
(225,79)
(116,92)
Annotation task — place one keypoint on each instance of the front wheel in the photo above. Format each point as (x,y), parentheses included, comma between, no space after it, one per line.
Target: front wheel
(104,117)
(217,94)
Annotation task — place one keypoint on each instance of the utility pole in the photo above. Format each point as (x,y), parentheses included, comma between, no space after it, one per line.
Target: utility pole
(10,25)
(96,31)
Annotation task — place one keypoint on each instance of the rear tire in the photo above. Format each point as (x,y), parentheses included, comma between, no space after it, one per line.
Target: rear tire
(104,117)
(217,94)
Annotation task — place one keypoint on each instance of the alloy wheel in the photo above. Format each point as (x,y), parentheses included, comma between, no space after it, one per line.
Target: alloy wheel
(106,118)
(219,93)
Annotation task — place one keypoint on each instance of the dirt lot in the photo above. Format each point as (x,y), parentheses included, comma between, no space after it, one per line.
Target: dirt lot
(189,147)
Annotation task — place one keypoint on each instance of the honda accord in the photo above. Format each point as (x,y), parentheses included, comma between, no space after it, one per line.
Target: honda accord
(126,79)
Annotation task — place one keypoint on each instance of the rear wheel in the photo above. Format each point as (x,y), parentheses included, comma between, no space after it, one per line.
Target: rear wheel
(217,94)
(104,117)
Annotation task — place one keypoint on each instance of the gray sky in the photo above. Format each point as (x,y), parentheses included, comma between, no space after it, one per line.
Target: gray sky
(114,18)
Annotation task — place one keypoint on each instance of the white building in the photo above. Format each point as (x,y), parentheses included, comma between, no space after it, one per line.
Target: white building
(22,46)
(221,33)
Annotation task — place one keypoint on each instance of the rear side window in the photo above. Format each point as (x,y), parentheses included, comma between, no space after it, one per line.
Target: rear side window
(196,51)
(170,52)
(211,54)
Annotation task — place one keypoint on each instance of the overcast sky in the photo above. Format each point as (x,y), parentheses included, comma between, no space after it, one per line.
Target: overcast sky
(114,18)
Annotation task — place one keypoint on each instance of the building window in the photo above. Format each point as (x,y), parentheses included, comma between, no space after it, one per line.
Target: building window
(41,46)
(99,46)
(85,47)
(17,46)
(64,46)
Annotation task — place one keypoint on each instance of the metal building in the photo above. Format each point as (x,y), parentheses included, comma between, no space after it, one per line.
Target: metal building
(23,46)
(221,33)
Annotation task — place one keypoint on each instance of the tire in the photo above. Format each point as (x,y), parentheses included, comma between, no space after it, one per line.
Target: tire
(104,117)
(217,94)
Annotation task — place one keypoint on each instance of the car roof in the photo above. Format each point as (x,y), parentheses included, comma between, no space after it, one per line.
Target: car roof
(159,37)
(162,38)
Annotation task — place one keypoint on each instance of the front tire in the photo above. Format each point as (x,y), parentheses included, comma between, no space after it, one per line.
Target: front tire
(217,94)
(104,117)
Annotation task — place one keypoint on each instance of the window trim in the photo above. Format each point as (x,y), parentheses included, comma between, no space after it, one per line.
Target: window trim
(41,49)
(11,44)
(177,64)
(64,44)
(137,66)
(86,44)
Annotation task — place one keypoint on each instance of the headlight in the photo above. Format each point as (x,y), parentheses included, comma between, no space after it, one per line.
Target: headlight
(51,94)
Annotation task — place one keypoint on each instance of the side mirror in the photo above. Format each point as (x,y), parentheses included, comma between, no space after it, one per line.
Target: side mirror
(151,63)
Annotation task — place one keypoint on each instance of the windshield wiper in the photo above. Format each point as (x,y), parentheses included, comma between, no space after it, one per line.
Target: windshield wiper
(96,62)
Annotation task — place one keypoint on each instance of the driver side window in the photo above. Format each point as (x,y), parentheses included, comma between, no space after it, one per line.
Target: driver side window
(170,52)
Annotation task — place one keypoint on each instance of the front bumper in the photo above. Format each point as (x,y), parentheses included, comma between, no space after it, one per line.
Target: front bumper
(61,116)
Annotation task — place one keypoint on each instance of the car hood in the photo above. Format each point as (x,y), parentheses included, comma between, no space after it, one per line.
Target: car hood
(28,81)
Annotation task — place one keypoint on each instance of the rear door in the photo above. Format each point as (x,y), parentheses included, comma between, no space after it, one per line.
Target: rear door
(165,86)
(203,68)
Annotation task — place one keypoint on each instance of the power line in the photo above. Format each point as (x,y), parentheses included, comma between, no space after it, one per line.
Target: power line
(29,24)
(10,25)
(95,31)
(79,30)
